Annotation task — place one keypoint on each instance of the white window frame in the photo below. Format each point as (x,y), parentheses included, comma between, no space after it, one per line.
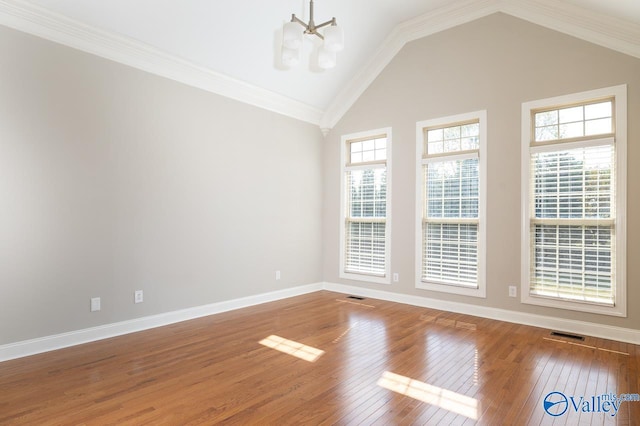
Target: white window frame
(619,94)
(344,158)
(481,117)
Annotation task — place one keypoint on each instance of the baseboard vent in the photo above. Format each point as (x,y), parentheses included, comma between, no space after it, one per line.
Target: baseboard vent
(355,297)
(567,335)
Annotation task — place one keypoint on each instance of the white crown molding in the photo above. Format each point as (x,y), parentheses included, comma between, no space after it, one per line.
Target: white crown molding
(43,23)
(64,340)
(559,324)
(616,34)
(606,31)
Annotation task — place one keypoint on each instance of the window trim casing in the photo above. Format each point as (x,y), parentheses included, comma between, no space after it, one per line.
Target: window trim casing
(619,94)
(344,156)
(481,116)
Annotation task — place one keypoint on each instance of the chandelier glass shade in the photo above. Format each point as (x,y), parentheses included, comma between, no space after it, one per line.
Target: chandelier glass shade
(293,35)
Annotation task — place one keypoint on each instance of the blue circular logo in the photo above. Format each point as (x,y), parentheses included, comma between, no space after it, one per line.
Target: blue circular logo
(555,404)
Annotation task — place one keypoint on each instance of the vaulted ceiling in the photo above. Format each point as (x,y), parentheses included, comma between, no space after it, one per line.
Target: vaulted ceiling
(232,47)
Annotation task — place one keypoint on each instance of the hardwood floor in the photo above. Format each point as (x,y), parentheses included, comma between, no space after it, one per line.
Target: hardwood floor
(376,363)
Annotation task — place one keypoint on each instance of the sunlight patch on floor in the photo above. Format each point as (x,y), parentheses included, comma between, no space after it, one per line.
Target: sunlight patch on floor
(290,347)
(443,398)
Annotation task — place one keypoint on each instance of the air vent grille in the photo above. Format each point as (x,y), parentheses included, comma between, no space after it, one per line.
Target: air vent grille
(567,335)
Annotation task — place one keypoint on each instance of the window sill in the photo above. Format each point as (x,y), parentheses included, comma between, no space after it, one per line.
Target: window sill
(452,289)
(364,277)
(592,308)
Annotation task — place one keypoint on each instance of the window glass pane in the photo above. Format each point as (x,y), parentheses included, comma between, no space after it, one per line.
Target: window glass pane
(435,135)
(470,143)
(570,115)
(598,127)
(546,118)
(381,149)
(356,147)
(547,133)
(571,130)
(600,110)
(368,156)
(452,132)
(435,148)
(452,145)
(367,193)
(472,129)
(452,189)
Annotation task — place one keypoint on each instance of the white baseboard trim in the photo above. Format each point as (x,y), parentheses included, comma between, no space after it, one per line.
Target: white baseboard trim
(560,324)
(72,338)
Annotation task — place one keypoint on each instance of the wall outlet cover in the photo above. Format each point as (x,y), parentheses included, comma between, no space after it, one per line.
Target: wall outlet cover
(95,304)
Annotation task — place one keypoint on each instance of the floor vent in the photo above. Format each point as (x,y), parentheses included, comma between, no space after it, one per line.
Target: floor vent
(567,335)
(355,297)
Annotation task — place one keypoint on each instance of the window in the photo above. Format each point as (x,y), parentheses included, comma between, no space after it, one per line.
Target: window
(450,216)
(574,195)
(366,195)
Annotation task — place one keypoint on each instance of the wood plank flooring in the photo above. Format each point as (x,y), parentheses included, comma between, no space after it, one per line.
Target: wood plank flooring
(382,363)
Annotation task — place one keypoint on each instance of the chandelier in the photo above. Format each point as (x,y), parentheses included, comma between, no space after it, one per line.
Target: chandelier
(332,36)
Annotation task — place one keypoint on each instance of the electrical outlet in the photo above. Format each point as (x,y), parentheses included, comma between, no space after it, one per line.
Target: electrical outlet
(277,275)
(95,304)
(513,291)
(396,277)
(138,296)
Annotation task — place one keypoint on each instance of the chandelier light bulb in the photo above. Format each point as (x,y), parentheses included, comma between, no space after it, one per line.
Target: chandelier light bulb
(291,35)
(334,38)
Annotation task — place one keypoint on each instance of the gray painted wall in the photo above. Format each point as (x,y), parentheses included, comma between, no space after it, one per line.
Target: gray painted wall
(495,63)
(113,179)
